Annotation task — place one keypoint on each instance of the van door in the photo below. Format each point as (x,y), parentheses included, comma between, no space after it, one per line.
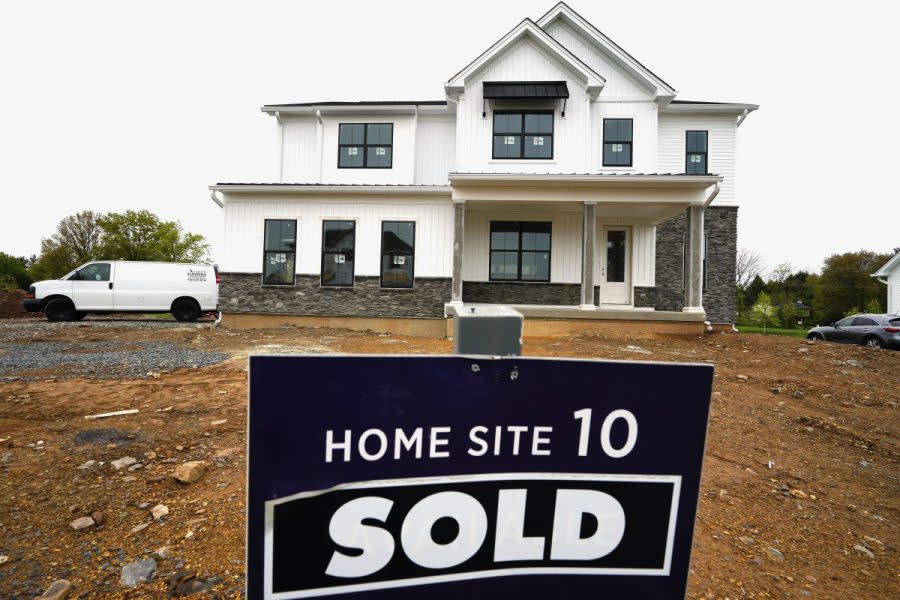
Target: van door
(92,287)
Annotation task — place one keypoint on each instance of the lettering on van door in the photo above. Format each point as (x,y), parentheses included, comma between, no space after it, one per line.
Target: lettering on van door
(195,275)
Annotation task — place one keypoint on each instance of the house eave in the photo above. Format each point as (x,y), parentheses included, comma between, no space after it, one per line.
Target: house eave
(322,189)
(585,180)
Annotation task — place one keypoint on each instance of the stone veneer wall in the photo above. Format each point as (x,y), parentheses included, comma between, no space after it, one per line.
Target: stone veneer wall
(720,229)
(644,296)
(243,293)
(503,292)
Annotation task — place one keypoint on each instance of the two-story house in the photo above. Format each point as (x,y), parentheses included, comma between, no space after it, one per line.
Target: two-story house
(559,175)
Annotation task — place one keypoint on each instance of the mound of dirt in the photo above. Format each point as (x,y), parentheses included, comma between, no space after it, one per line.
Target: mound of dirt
(11,305)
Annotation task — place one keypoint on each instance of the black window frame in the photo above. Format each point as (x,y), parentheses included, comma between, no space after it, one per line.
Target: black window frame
(365,146)
(629,143)
(522,134)
(688,153)
(266,252)
(519,252)
(322,282)
(392,254)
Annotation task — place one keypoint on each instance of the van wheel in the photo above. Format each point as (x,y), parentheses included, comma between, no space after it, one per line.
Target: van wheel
(79,316)
(60,310)
(186,309)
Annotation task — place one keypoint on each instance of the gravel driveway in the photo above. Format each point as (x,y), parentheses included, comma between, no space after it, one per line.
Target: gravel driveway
(25,354)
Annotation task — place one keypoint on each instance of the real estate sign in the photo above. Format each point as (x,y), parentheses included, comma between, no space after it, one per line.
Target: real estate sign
(465,477)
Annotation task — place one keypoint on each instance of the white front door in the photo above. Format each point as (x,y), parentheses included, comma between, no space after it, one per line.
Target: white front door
(615,265)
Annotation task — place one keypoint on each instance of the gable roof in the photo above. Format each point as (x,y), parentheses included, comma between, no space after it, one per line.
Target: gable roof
(564,11)
(887,267)
(530,30)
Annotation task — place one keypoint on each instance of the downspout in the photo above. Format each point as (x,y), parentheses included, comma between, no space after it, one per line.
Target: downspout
(712,196)
(212,196)
(280,147)
(743,116)
(320,132)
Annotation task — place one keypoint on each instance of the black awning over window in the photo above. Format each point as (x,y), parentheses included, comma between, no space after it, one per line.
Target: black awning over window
(525,90)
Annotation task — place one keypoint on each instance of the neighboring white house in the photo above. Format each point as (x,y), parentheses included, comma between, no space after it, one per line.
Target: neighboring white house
(558,175)
(889,274)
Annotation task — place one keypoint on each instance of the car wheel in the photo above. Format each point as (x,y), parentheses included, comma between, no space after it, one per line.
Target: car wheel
(816,337)
(872,342)
(186,310)
(60,310)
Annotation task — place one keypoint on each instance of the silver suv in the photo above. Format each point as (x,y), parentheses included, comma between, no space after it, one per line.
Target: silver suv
(875,331)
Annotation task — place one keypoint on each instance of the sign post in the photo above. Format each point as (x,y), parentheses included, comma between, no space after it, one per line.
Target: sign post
(472,477)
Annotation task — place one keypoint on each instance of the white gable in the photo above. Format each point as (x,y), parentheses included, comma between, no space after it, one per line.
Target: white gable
(620,83)
(524,61)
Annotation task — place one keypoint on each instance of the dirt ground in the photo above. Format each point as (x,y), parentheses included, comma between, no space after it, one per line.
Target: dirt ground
(800,494)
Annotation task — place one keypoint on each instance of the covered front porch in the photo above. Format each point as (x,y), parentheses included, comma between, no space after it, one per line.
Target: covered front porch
(579,248)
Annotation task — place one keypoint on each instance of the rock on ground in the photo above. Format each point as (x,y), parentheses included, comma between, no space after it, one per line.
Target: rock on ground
(137,572)
(58,590)
(82,523)
(190,472)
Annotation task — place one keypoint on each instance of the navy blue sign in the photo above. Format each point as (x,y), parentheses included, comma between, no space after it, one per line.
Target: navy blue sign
(461,477)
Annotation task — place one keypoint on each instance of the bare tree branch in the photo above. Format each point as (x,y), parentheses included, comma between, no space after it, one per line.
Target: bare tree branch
(749,265)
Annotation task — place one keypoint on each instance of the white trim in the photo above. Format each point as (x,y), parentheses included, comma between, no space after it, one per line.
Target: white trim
(887,267)
(591,78)
(256,188)
(344,589)
(729,108)
(620,55)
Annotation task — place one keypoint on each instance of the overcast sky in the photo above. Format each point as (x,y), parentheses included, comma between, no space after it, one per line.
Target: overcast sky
(129,105)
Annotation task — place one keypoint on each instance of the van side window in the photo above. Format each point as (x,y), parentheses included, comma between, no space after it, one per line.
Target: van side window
(94,272)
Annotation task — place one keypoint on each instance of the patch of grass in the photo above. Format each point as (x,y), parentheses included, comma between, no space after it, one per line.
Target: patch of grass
(799,333)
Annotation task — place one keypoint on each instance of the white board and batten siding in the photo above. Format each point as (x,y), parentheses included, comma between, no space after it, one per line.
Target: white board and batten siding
(893,292)
(721,147)
(245,217)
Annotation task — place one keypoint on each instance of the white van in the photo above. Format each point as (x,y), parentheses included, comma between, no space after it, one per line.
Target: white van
(185,290)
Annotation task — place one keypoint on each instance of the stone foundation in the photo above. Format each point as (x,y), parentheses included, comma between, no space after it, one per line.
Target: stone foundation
(244,293)
(508,292)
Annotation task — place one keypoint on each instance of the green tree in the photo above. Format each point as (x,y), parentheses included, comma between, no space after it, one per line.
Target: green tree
(75,242)
(873,306)
(13,272)
(763,311)
(141,235)
(845,283)
(753,290)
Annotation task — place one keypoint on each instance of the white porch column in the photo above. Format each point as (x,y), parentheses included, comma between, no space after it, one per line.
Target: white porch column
(693,260)
(459,220)
(588,235)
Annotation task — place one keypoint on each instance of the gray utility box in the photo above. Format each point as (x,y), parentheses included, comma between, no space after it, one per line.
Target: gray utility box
(486,329)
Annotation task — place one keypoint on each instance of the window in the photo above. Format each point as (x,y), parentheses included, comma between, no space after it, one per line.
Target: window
(519,134)
(864,322)
(338,246)
(696,153)
(365,145)
(398,253)
(520,251)
(617,135)
(279,251)
(93,272)
(845,322)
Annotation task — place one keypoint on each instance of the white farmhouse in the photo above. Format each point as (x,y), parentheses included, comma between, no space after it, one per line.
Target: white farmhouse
(559,175)
(889,274)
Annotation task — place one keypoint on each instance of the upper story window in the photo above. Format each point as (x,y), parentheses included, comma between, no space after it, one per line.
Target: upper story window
(365,145)
(617,136)
(398,253)
(696,153)
(279,251)
(523,134)
(520,251)
(338,253)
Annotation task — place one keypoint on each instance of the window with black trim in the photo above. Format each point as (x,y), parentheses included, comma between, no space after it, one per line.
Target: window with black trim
(695,160)
(338,252)
(523,134)
(520,251)
(279,251)
(398,254)
(365,145)
(617,138)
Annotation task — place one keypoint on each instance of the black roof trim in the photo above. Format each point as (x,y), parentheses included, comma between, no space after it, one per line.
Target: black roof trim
(697,102)
(369,103)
